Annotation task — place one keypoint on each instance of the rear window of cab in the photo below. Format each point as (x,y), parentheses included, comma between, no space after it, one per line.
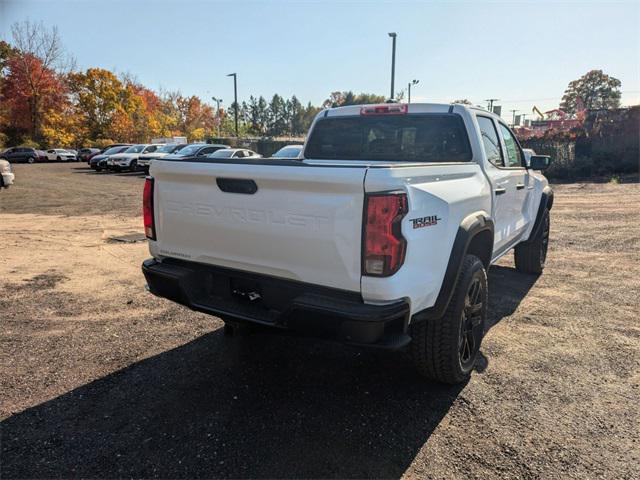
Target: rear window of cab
(408,138)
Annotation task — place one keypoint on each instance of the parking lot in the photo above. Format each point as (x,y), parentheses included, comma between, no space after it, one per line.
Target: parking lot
(101,379)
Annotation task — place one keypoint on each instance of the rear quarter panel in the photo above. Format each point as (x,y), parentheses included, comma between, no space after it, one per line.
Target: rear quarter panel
(449,192)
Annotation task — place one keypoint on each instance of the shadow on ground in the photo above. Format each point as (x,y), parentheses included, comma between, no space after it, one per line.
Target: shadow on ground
(258,406)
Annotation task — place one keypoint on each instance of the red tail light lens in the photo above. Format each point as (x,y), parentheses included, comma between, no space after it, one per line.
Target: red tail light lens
(384,245)
(147,209)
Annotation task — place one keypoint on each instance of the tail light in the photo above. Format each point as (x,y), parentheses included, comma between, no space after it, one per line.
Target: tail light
(383,243)
(388,109)
(147,209)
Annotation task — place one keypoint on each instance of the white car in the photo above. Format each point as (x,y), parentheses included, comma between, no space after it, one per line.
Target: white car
(61,155)
(164,149)
(128,160)
(234,153)
(289,151)
(381,236)
(6,174)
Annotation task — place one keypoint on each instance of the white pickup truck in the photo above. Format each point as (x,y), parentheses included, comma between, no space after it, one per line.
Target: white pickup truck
(379,235)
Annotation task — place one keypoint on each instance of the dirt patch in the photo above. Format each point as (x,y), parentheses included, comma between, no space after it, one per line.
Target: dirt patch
(100,379)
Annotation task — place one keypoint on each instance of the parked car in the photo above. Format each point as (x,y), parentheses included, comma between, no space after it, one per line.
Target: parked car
(196,150)
(99,162)
(383,239)
(145,160)
(61,155)
(20,154)
(42,156)
(235,153)
(85,154)
(289,151)
(6,174)
(128,160)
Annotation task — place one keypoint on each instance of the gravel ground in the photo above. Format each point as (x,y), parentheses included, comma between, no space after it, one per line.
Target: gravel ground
(100,379)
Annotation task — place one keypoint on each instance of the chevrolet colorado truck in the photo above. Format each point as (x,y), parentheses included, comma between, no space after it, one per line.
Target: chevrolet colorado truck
(380,235)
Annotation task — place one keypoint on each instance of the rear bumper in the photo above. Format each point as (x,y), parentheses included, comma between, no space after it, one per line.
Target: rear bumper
(281,304)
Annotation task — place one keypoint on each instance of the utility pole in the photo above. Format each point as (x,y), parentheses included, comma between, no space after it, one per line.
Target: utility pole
(393,35)
(491,100)
(412,82)
(218,102)
(513,123)
(235,99)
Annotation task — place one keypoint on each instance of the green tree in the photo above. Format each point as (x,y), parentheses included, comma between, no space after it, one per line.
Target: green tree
(594,90)
(277,116)
(341,99)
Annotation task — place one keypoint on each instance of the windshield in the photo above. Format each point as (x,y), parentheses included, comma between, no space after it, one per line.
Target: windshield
(410,138)
(189,150)
(222,153)
(112,150)
(288,152)
(134,149)
(168,148)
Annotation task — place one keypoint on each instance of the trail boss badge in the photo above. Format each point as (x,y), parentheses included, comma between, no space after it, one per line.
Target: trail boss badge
(425,221)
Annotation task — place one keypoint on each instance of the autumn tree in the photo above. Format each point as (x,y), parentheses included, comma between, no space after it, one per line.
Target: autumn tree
(40,56)
(97,94)
(594,90)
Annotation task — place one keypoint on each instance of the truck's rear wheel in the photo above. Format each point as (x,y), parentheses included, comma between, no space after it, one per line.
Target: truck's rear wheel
(445,349)
(530,256)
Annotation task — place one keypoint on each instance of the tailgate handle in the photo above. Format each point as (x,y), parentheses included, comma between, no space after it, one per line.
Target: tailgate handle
(237,185)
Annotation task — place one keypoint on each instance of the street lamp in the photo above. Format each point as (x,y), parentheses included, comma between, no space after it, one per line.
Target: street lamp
(218,102)
(412,82)
(235,98)
(393,35)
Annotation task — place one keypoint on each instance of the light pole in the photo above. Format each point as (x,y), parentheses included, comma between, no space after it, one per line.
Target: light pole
(218,102)
(412,82)
(235,98)
(393,35)
(491,100)
(513,123)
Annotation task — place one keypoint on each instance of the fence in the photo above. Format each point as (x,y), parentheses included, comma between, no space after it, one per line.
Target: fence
(607,144)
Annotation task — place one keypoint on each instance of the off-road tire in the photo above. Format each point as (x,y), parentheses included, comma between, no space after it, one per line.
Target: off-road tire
(530,256)
(435,348)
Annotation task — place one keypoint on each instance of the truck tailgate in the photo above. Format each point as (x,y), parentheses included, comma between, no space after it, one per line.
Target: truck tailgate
(302,223)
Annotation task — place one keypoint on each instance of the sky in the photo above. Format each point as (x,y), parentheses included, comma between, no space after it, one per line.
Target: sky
(523,53)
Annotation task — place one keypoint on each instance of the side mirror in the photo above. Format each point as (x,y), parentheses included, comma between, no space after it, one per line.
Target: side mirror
(539,162)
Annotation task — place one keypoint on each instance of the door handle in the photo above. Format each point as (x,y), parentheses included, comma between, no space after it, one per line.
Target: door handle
(500,191)
(520,186)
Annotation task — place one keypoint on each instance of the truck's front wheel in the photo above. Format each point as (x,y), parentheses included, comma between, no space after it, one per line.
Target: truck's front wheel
(445,349)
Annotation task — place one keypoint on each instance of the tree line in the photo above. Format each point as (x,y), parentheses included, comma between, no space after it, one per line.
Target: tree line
(46,102)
